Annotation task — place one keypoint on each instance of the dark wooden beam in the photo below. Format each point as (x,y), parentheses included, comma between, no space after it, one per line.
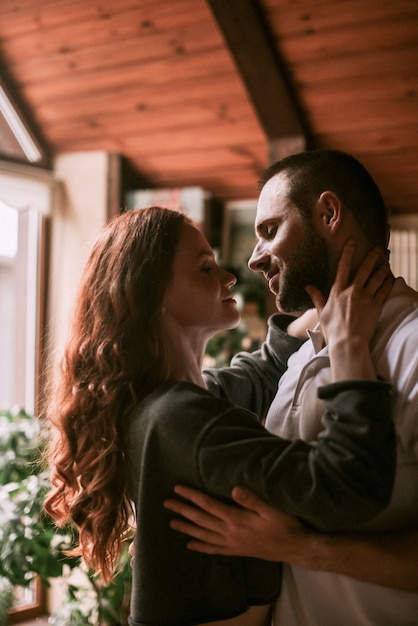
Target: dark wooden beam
(252,47)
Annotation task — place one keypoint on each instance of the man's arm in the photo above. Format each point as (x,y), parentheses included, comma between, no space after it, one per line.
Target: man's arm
(258,530)
(389,559)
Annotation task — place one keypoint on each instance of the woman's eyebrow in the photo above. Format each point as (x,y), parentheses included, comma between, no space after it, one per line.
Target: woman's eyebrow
(206,253)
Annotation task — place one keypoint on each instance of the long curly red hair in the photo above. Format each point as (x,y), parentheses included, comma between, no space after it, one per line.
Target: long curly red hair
(113,358)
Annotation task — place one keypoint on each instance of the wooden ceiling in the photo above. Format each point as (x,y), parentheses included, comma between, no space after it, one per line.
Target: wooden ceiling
(206,92)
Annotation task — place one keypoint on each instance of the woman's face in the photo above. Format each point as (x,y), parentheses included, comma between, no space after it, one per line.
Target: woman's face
(199,295)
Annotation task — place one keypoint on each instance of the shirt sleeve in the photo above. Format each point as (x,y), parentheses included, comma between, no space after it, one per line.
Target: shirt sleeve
(252,378)
(336,482)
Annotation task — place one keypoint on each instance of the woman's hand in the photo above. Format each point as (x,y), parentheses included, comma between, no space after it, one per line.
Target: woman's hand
(349,316)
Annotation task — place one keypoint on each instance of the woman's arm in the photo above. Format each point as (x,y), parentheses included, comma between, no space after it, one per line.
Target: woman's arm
(252,378)
(328,482)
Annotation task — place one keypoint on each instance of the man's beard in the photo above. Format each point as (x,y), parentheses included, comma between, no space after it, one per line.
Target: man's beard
(311,266)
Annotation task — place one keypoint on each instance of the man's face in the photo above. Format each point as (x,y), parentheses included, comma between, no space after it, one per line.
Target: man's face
(289,252)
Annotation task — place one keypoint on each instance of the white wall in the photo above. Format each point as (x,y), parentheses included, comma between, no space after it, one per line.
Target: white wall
(79,213)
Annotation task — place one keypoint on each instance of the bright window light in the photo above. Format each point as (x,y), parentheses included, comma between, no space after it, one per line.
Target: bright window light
(8,230)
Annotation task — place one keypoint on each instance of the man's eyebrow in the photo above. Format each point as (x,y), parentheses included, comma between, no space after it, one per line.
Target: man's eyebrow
(262,226)
(276,219)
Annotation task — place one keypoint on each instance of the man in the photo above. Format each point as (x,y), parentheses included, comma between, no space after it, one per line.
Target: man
(310,205)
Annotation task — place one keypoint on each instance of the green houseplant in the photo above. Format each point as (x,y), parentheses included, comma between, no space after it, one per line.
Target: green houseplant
(31,545)
(6,598)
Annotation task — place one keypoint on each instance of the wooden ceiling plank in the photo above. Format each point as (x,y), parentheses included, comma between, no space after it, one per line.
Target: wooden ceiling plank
(223,106)
(227,94)
(395,34)
(147,122)
(45,16)
(358,91)
(212,180)
(377,63)
(400,164)
(217,158)
(250,45)
(361,116)
(178,140)
(328,118)
(317,19)
(352,64)
(168,72)
(138,50)
(395,139)
(108,25)
(222,112)
(58,19)
(31,15)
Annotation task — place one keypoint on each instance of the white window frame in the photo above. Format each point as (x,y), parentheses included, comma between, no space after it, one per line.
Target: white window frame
(29,191)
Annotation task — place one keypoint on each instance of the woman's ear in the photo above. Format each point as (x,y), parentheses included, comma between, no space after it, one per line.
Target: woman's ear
(328,212)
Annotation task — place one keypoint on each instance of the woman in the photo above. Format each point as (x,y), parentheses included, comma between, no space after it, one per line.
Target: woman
(132,418)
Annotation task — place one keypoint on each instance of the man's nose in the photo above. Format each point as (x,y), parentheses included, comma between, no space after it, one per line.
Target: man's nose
(259,258)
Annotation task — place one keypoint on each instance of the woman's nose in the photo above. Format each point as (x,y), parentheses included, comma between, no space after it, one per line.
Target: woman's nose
(230,279)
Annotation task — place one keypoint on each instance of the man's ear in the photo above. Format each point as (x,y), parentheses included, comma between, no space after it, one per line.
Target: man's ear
(328,212)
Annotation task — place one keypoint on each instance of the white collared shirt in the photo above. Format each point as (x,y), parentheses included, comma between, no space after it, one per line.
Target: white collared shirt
(310,598)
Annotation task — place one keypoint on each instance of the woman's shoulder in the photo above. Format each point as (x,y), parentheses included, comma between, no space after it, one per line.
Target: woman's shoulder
(177,394)
(177,417)
(175,402)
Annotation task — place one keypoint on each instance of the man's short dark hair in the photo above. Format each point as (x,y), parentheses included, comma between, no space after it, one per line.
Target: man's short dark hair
(311,173)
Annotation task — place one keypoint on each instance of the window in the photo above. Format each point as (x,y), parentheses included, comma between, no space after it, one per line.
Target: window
(25,201)
(20,304)
(403,246)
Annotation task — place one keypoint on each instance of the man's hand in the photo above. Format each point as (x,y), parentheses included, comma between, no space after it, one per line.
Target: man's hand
(256,530)
(253,529)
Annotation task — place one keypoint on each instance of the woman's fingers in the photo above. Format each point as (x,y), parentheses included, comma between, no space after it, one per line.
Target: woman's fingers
(317,297)
(380,282)
(343,276)
(373,273)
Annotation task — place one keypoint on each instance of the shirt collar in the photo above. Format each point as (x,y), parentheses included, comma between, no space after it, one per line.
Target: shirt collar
(317,338)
